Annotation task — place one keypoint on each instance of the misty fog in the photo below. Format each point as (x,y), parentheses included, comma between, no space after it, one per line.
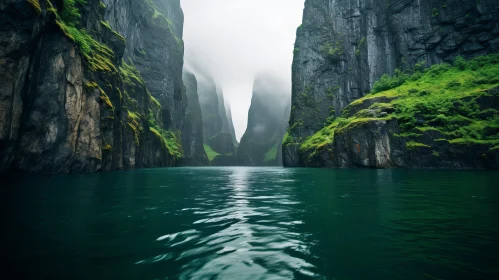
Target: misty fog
(237,40)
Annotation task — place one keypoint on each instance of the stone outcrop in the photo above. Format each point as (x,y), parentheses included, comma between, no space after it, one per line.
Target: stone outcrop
(376,142)
(267,123)
(97,90)
(343,47)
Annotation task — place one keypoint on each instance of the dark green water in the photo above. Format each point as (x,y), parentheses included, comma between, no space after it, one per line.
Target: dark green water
(252,223)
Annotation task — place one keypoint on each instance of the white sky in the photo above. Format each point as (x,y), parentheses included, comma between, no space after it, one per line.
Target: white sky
(237,39)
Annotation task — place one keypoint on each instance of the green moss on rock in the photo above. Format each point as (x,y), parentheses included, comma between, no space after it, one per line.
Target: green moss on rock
(447,100)
(98,55)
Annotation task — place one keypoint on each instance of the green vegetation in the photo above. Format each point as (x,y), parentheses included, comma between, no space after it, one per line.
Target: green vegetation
(134,84)
(271,155)
(321,138)
(98,55)
(130,75)
(108,26)
(414,145)
(362,43)
(36,6)
(287,139)
(210,152)
(296,124)
(333,50)
(105,98)
(434,12)
(103,95)
(70,13)
(107,147)
(331,92)
(171,141)
(386,82)
(153,101)
(449,100)
(159,19)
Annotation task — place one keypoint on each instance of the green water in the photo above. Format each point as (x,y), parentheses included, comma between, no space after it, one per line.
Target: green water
(252,223)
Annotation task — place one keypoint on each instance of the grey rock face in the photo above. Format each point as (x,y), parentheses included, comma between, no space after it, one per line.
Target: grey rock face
(153,30)
(20,27)
(376,142)
(218,132)
(373,145)
(59,114)
(266,125)
(208,100)
(231,124)
(344,46)
(192,133)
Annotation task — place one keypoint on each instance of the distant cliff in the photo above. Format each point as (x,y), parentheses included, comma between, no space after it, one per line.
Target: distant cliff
(192,133)
(218,132)
(267,123)
(344,47)
(90,85)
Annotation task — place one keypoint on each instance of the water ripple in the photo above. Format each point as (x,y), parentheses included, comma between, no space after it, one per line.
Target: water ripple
(244,233)
(254,223)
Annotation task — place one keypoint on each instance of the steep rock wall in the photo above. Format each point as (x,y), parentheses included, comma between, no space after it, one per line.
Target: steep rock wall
(192,133)
(344,46)
(217,133)
(70,103)
(153,30)
(267,123)
(231,124)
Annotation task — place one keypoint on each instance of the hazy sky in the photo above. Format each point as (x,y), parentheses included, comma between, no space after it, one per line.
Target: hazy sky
(237,39)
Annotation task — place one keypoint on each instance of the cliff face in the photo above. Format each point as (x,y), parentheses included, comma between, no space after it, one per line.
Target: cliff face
(343,47)
(72,93)
(218,135)
(231,124)
(267,123)
(192,133)
(154,44)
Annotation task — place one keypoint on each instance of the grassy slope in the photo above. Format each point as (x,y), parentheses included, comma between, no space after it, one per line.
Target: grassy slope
(271,154)
(210,152)
(442,97)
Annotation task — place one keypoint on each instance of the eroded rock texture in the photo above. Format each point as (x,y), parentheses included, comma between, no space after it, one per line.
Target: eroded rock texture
(66,110)
(344,46)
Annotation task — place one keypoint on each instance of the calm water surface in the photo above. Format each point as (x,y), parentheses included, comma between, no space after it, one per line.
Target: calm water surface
(252,223)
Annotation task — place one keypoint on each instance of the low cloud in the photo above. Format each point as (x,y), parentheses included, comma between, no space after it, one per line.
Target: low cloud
(237,40)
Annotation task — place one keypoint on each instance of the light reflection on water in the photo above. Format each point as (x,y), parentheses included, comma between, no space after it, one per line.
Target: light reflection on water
(254,223)
(244,247)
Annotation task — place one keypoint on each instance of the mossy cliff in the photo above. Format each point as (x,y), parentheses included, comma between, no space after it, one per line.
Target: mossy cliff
(218,132)
(344,47)
(443,117)
(73,97)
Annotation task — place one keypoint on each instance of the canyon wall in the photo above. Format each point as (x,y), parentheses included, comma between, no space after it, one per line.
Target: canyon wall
(267,123)
(90,85)
(192,133)
(218,132)
(343,47)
